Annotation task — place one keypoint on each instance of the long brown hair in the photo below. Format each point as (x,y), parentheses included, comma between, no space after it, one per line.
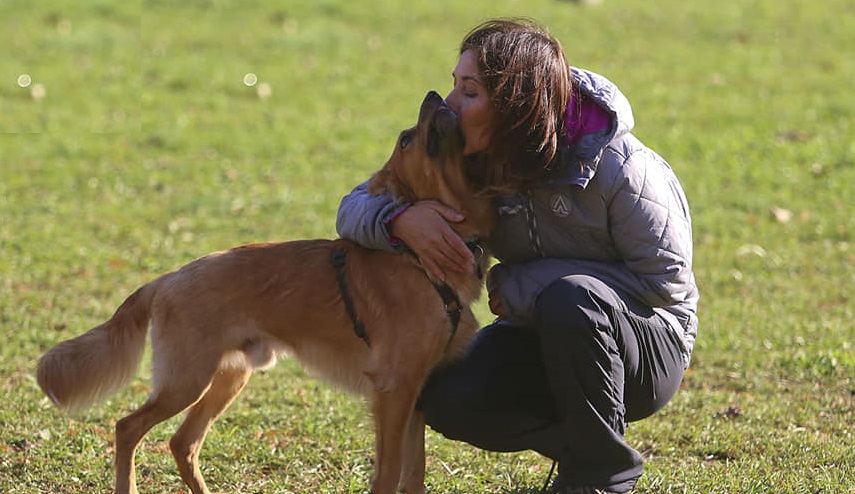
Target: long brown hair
(524,70)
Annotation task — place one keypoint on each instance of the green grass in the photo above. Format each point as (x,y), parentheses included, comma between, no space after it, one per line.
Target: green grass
(147,150)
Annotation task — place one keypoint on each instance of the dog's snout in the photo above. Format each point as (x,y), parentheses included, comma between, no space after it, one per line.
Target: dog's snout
(431,103)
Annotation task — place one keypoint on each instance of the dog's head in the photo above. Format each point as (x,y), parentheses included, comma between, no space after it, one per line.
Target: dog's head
(428,163)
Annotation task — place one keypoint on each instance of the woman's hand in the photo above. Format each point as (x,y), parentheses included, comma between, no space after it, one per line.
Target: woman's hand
(425,228)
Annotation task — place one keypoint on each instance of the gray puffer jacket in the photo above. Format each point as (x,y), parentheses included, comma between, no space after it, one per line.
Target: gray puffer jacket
(611,208)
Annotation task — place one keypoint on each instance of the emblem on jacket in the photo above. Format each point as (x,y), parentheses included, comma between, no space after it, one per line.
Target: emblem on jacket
(560,205)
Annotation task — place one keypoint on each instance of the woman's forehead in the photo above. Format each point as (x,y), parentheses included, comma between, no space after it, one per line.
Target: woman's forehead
(467,66)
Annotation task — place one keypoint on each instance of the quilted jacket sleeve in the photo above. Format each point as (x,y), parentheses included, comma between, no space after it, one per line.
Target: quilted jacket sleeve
(363,218)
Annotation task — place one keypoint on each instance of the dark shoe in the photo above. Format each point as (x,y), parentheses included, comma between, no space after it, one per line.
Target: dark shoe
(555,489)
(583,490)
(554,486)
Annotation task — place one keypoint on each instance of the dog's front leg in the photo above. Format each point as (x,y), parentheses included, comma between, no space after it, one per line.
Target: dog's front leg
(392,412)
(413,454)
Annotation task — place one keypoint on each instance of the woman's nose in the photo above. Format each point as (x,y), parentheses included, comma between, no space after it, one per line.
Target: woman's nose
(451,101)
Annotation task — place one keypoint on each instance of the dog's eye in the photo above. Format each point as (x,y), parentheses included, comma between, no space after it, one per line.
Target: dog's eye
(405,139)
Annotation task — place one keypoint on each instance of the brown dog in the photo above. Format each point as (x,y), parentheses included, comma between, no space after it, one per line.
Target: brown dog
(369,321)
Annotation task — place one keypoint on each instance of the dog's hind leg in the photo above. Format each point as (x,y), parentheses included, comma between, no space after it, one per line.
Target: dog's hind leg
(170,397)
(187,441)
(413,455)
(130,431)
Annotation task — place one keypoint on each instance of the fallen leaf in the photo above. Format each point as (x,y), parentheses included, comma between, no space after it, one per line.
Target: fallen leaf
(782,215)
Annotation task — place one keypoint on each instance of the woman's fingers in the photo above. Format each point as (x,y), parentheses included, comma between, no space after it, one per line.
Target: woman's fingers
(424,227)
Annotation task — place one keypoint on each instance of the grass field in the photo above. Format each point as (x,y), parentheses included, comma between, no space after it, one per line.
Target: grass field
(134,145)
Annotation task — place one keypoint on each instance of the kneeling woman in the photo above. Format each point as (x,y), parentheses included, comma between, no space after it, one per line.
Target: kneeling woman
(595,296)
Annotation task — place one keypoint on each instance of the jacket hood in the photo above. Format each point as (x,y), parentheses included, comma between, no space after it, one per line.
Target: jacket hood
(579,161)
(606,94)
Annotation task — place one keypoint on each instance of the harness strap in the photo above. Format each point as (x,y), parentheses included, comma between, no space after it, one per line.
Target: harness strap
(453,307)
(338,258)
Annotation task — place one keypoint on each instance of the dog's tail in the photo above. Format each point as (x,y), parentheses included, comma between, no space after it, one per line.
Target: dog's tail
(84,370)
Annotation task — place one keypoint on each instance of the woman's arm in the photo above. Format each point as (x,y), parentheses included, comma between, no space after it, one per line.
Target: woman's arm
(651,227)
(378,222)
(364,218)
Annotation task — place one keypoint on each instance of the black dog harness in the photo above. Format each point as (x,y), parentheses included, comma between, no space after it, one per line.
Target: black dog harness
(453,306)
(338,258)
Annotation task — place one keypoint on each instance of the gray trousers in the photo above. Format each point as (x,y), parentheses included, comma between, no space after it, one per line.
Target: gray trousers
(565,387)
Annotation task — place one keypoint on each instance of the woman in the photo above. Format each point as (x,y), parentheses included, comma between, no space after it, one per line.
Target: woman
(594,292)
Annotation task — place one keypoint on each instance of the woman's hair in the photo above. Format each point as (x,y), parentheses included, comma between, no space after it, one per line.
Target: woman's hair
(527,76)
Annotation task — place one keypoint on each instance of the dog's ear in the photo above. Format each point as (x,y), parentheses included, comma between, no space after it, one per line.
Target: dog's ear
(387,182)
(381,183)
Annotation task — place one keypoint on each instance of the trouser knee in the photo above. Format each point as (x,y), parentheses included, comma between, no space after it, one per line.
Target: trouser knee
(442,406)
(573,304)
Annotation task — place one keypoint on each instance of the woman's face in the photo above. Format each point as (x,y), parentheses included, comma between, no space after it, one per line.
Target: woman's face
(470,100)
